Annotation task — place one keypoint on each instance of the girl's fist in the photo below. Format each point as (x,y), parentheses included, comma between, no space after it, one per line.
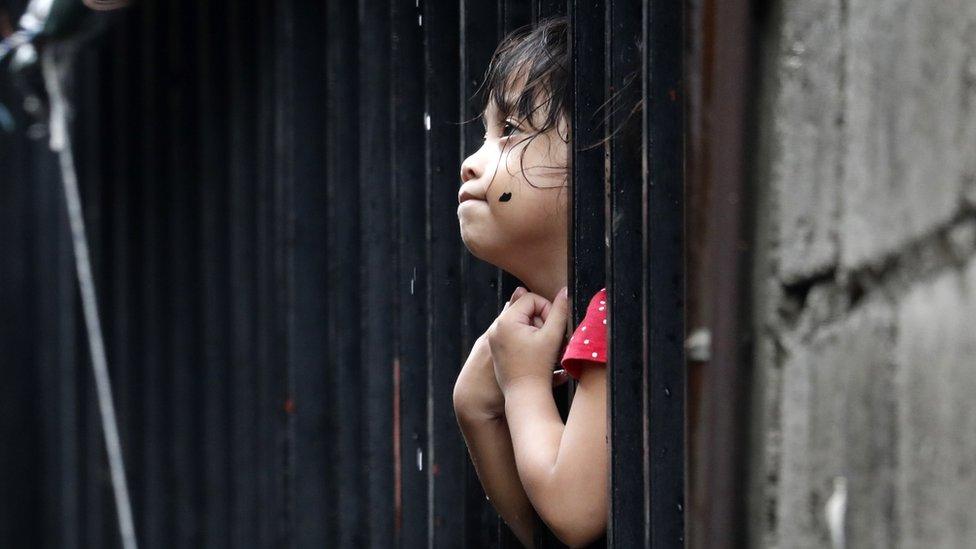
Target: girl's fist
(476,392)
(524,347)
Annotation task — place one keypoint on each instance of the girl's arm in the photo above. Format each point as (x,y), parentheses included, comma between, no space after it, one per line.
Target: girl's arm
(490,446)
(563,467)
(480,411)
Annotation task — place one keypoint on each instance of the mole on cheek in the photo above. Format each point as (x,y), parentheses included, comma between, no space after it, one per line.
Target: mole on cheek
(505,197)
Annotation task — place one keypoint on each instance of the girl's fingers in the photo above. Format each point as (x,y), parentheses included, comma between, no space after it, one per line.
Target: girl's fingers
(532,305)
(538,322)
(558,313)
(519,292)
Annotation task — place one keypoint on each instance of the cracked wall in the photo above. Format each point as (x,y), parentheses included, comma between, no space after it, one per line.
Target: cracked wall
(864,278)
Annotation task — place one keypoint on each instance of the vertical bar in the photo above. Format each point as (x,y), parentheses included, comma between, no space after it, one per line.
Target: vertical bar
(446,453)
(378,281)
(544,9)
(182,327)
(587,254)
(479,32)
(587,216)
(67,365)
(314,421)
(284,171)
(212,261)
(515,14)
(344,255)
(273,283)
(266,474)
(245,504)
(56,345)
(413,524)
(698,52)
(86,143)
(122,318)
(625,397)
(719,86)
(22,393)
(156,522)
(512,15)
(664,276)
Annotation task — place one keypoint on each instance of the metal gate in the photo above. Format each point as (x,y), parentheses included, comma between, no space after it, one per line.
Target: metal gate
(286,300)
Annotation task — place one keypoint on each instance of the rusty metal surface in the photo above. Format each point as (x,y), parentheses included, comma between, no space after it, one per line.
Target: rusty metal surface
(720,59)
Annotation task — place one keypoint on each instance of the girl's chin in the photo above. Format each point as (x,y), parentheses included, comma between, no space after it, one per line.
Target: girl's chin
(470,242)
(476,246)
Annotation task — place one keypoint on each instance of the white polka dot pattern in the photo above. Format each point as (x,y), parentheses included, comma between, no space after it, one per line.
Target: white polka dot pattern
(593,348)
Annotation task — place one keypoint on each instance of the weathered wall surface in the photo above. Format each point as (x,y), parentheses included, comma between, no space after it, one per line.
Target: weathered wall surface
(865,276)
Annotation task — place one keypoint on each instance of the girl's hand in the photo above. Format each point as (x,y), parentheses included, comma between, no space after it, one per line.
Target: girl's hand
(476,392)
(523,350)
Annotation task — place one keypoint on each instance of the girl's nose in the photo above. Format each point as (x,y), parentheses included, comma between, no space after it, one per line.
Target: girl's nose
(469,169)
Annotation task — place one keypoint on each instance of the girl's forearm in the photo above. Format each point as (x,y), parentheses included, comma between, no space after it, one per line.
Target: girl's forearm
(563,467)
(490,446)
(536,431)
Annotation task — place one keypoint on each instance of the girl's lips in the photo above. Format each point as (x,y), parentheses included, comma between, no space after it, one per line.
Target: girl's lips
(465,195)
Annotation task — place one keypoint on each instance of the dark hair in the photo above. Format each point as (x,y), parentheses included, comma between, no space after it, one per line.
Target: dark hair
(529,72)
(534,62)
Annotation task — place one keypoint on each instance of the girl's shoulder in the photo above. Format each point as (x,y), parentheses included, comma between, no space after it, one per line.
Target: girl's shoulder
(588,344)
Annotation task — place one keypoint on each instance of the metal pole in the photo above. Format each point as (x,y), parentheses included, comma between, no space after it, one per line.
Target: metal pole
(61,143)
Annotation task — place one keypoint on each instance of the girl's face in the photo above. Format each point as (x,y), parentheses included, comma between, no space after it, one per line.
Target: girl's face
(513,198)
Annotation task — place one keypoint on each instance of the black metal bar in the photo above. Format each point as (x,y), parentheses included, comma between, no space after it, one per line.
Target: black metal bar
(267,477)
(514,15)
(122,315)
(155,524)
(245,504)
(87,143)
(480,31)
(446,454)
(182,342)
(664,275)
(273,283)
(587,217)
(378,244)
(625,398)
(544,9)
(21,485)
(304,147)
(285,168)
(410,367)
(343,245)
(212,260)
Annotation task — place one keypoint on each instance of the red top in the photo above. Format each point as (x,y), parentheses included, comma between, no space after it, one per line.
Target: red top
(588,345)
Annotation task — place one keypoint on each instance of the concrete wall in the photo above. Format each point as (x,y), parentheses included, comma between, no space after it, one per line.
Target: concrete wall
(865,275)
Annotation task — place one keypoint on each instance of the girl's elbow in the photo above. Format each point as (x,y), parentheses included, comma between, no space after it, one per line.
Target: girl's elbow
(578,533)
(464,399)
(575,511)
(576,525)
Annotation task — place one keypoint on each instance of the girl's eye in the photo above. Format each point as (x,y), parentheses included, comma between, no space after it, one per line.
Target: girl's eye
(508,128)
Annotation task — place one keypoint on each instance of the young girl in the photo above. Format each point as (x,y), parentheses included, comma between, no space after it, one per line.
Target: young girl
(513,214)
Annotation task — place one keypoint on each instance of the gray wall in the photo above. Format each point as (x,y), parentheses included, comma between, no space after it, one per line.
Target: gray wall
(865,274)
